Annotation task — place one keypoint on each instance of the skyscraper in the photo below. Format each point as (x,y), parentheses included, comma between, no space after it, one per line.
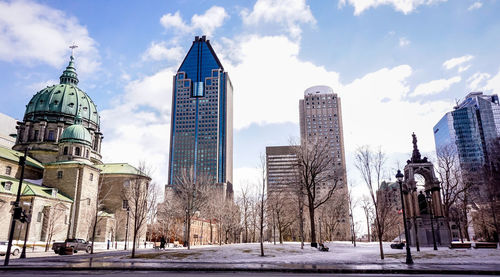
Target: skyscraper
(201,135)
(321,118)
(469,129)
(281,168)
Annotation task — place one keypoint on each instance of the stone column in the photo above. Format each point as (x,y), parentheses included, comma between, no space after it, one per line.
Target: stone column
(43,127)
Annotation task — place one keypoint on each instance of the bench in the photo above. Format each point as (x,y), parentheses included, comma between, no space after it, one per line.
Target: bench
(487,245)
(460,245)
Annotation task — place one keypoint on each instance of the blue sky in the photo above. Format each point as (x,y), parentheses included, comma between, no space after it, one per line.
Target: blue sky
(397,65)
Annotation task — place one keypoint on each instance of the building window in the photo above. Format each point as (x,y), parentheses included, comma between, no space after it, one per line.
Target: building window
(77,151)
(65,152)
(39,217)
(125,204)
(7,185)
(8,170)
(87,154)
(35,138)
(65,219)
(59,174)
(51,136)
(91,177)
(126,183)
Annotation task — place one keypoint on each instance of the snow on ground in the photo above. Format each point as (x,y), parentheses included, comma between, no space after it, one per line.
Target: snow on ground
(340,253)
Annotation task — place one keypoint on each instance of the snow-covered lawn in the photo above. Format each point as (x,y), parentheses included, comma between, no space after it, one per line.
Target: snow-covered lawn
(340,253)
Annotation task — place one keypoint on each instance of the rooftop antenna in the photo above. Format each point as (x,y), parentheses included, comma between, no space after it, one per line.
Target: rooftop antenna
(457,101)
(73,49)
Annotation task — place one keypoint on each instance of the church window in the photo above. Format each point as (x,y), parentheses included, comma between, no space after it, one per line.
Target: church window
(91,176)
(35,137)
(125,204)
(65,219)
(7,185)
(77,151)
(87,154)
(8,170)
(65,152)
(59,174)
(126,183)
(39,217)
(51,136)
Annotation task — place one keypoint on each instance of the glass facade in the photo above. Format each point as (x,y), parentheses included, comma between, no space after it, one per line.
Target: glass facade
(470,128)
(201,117)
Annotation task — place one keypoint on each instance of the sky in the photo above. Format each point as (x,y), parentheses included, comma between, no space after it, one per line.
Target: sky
(397,65)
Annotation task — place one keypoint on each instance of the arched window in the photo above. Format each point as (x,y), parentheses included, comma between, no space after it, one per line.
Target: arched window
(87,154)
(8,170)
(65,151)
(77,151)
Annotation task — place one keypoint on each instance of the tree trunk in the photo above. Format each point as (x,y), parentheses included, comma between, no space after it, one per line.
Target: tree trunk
(379,234)
(93,234)
(188,240)
(368,226)
(313,227)
(135,230)
(301,225)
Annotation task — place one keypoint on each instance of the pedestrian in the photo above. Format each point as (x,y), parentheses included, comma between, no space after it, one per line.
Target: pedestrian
(162,243)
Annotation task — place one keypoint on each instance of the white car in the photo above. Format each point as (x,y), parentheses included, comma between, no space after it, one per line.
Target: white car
(14,250)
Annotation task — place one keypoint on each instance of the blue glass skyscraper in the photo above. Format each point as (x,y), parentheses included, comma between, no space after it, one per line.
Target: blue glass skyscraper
(201,136)
(469,129)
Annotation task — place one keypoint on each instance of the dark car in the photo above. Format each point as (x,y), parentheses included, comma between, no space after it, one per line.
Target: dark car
(74,244)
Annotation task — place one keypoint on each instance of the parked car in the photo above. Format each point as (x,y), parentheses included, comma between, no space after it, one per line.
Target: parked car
(14,250)
(75,244)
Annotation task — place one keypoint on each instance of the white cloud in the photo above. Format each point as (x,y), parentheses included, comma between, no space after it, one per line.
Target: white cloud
(475,6)
(404,6)
(463,68)
(137,127)
(34,33)
(435,86)
(289,14)
(207,23)
(475,81)
(403,41)
(454,62)
(377,98)
(493,84)
(158,51)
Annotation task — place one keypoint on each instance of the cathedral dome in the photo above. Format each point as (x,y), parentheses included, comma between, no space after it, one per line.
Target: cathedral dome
(62,100)
(76,133)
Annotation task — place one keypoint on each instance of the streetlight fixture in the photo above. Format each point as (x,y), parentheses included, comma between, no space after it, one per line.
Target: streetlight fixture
(399,177)
(429,205)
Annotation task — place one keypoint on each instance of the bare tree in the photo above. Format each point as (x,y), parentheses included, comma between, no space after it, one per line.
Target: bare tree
(366,205)
(53,222)
(370,164)
(192,192)
(352,204)
(262,200)
(281,210)
(244,202)
(102,196)
(318,177)
(141,198)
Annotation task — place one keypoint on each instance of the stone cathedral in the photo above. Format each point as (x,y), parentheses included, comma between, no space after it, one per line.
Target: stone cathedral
(61,135)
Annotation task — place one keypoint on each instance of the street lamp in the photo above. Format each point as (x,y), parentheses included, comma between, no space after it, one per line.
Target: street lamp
(428,197)
(399,177)
(126,228)
(28,223)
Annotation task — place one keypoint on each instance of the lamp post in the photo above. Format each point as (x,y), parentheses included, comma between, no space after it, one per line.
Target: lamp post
(17,210)
(320,230)
(399,177)
(28,223)
(429,204)
(126,228)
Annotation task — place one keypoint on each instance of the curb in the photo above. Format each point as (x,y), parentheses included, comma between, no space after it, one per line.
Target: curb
(240,269)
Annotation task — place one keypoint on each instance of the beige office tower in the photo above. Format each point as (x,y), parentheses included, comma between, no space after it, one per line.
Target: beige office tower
(321,118)
(281,169)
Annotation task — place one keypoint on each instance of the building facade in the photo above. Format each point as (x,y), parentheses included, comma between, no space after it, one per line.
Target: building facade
(321,119)
(470,130)
(201,135)
(64,175)
(281,169)
(7,128)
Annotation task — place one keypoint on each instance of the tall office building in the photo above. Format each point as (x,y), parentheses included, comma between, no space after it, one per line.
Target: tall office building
(321,118)
(281,168)
(469,129)
(201,135)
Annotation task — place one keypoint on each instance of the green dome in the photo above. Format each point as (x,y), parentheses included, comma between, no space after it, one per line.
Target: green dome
(76,133)
(63,99)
